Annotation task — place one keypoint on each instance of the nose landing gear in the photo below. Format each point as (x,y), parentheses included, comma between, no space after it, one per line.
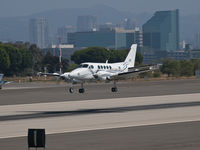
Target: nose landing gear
(71,90)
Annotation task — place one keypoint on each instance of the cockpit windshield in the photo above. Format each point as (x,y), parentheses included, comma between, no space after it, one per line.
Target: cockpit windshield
(83,66)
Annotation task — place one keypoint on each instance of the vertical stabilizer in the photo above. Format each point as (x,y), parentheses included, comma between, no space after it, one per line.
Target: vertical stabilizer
(130,59)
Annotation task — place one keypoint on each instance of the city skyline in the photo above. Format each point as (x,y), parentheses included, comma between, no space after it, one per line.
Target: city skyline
(24,7)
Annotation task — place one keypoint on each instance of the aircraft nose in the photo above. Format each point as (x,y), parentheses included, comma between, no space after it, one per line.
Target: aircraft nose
(74,74)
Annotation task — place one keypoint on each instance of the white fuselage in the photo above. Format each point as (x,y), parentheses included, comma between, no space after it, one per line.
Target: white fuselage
(102,71)
(96,71)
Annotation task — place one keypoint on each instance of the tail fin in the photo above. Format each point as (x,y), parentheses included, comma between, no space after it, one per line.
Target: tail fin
(1,77)
(130,59)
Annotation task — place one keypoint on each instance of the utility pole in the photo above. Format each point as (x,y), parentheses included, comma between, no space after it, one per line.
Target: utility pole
(60,54)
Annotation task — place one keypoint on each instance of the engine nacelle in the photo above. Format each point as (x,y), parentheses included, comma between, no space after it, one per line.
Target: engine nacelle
(65,76)
(103,75)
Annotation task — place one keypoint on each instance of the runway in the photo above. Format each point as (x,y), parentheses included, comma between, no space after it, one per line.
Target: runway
(44,93)
(127,120)
(178,136)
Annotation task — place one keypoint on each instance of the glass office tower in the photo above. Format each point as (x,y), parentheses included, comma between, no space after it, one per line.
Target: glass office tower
(86,23)
(38,32)
(161,32)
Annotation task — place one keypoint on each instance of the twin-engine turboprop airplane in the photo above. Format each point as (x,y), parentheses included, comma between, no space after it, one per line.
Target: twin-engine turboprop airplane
(103,71)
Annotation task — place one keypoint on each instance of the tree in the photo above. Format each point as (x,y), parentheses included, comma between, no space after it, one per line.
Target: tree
(15,59)
(72,67)
(186,68)
(98,54)
(91,54)
(27,59)
(65,64)
(139,59)
(196,64)
(19,59)
(171,67)
(37,57)
(52,62)
(117,55)
(4,60)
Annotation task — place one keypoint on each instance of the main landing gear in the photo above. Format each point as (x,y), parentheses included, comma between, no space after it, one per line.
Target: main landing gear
(114,88)
(81,90)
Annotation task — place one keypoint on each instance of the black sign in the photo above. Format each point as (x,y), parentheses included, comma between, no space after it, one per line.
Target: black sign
(36,138)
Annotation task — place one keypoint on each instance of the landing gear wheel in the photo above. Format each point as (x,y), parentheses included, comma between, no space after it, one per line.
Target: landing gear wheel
(82,90)
(114,89)
(71,90)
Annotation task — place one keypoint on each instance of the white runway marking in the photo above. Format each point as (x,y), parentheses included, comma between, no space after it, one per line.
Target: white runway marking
(100,119)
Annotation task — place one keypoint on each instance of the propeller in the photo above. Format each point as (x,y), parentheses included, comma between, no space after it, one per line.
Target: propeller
(94,73)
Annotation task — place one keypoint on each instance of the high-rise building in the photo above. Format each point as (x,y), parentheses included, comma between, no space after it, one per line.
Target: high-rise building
(38,32)
(128,24)
(117,38)
(197,41)
(86,23)
(161,32)
(138,37)
(62,33)
(107,26)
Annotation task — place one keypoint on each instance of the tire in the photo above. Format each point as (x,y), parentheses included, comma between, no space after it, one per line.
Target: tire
(81,90)
(114,89)
(71,90)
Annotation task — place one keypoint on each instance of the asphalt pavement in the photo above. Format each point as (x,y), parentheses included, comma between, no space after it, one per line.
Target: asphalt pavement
(58,93)
(144,115)
(178,136)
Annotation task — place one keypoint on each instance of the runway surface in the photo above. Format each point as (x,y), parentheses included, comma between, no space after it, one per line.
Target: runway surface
(37,93)
(145,115)
(178,136)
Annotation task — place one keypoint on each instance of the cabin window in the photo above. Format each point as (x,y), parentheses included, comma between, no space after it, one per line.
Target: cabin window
(104,67)
(110,67)
(92,66)
(85,66)
(99,67)
(107,67)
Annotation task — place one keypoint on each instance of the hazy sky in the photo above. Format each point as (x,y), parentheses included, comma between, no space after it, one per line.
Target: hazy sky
(26,7)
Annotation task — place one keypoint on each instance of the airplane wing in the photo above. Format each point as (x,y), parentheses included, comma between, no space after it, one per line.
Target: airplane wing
(2,82)
(48,74)
(134,72)
(7,82)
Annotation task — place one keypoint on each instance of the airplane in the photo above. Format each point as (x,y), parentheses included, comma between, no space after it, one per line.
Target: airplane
(2,82)
(90,71)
